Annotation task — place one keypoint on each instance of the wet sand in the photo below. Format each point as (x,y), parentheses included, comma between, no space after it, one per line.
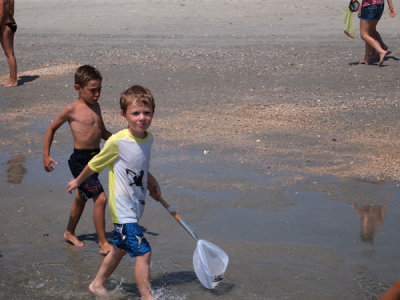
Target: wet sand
(271,141)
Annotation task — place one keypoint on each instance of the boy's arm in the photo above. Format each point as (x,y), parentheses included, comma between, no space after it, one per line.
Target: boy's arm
(73,184)
(155,191)
(105,134)
(48,138)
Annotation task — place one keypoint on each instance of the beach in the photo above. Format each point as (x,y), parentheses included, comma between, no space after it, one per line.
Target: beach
(270,140)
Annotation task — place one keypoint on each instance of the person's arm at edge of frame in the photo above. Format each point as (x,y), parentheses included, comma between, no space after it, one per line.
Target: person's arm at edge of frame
(2,13)
(49,136)
(392,13)
(155,191)
(73,184)
(393,293)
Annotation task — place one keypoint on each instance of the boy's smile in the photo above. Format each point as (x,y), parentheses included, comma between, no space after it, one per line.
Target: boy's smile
(139,118)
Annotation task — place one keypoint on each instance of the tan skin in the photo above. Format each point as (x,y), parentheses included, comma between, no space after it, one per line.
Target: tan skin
(393,293)
(139,118)
(7,39)
(372,38)
(87,126)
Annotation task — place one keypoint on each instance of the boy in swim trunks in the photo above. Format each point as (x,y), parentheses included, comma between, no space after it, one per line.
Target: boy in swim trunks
(8,27)
(87,126)
(127,154)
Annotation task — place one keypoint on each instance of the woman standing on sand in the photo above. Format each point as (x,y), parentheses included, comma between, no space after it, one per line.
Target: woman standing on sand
(8,27)
(370,13)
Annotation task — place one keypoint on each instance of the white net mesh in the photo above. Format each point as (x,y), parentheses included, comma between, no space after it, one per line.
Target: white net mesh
(210,263)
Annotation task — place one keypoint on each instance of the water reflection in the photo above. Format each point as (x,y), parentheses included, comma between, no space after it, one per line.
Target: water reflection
(372,216)
(16,170)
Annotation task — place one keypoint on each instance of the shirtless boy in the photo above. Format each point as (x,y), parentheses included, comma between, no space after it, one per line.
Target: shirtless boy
(8,27)
(87,126)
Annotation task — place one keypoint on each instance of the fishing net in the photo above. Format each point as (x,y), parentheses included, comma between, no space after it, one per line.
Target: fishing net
(210,263)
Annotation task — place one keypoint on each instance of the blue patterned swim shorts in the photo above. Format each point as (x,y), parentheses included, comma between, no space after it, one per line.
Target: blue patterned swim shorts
(129,237)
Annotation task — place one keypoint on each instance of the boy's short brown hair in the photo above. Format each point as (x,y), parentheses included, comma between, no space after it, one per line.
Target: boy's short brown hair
(139,94)
(86,73)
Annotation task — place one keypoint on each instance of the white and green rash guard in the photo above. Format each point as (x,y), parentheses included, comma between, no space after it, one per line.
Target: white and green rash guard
(128,159)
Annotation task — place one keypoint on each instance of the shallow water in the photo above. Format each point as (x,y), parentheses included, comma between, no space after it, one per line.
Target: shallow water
(315,238)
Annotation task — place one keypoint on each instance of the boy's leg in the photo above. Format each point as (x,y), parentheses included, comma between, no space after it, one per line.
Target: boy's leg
(100,202)
(75,214)
(142,275)
(107,267)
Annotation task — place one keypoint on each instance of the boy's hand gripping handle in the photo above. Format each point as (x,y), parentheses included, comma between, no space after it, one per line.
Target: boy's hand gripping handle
(176,216)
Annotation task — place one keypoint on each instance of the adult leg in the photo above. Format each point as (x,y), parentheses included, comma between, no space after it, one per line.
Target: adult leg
(75,214)
(100,202)
(393,293)
(7,42)
(142,275)
(378,37)
(110,262)
(367,28)
(367,54)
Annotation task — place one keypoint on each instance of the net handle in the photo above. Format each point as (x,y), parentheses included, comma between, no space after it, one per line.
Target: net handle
(174,214)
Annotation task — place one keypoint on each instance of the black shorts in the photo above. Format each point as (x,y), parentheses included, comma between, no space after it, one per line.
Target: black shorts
(12,26)
(91,187)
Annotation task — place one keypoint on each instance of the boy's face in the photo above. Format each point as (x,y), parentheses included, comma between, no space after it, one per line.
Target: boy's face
(139,118)
(90,93)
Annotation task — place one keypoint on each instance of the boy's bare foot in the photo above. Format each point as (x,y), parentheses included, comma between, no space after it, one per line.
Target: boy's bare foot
(382,57)
(69,237)
(105,248)
(10,83)
(97,291)
(364,62)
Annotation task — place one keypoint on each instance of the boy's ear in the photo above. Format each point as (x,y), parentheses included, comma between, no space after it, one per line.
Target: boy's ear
(77,87)
(123,115)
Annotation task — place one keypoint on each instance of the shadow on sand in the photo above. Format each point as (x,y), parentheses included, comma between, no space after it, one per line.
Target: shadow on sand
(25,79)
(374,62)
